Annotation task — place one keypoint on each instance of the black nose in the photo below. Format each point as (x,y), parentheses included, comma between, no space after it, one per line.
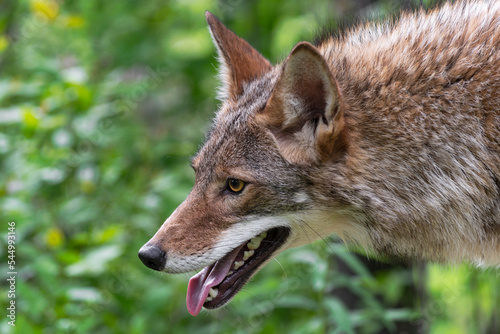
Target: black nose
(153,257)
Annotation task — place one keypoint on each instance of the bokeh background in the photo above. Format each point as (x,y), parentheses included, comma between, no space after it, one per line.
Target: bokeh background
(102,104)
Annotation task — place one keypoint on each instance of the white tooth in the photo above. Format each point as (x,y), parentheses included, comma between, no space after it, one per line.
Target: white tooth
(213,292)
(254,243)
(209,298)
(251,245)
(256,239)
(247,254)
(238,264)
(229,273)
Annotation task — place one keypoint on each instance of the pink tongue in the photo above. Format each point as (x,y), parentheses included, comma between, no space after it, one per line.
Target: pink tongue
(210,276)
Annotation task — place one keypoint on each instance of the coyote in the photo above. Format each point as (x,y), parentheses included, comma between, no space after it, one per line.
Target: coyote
(387,135)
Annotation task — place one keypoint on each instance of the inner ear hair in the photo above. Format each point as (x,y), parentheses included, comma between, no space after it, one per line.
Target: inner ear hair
(304,113)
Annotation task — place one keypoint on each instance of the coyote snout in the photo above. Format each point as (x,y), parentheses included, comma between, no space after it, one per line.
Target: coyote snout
(388,136)
(152,256)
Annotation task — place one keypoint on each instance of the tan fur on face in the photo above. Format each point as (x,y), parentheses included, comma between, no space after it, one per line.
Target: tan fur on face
(194,214)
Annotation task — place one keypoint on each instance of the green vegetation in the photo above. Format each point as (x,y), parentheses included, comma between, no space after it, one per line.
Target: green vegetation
(102,103)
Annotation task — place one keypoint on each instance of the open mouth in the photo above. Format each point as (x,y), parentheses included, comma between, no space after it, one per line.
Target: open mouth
(216,284)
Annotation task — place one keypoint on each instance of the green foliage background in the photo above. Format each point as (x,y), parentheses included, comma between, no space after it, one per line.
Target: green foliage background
(101,105)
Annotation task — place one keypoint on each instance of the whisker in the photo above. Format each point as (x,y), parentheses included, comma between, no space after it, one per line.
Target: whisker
(303,228)
(319,235)
(283,268)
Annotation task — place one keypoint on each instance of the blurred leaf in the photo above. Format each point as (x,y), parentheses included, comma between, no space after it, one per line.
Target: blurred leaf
(399,314)
(4,43)
(192,44)
(297,302)
(74,21)
(95,261)
(29,120)
(84,294)
(47,8)
(54,237)
(351,261)
(339,315)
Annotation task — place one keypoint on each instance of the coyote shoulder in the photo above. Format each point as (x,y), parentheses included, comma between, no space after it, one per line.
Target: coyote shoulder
(388,136)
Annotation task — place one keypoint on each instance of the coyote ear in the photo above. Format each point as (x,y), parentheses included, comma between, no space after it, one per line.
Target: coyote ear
(240,62)
(304,112)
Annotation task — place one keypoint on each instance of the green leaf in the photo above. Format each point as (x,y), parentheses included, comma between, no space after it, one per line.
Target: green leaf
(95,261)
(340,316)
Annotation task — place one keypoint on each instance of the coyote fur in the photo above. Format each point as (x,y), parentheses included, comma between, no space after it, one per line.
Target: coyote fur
(387,135)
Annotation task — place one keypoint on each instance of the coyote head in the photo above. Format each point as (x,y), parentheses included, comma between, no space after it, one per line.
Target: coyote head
(257,174)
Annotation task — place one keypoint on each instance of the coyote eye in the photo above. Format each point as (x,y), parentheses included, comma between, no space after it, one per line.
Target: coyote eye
(235,185)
